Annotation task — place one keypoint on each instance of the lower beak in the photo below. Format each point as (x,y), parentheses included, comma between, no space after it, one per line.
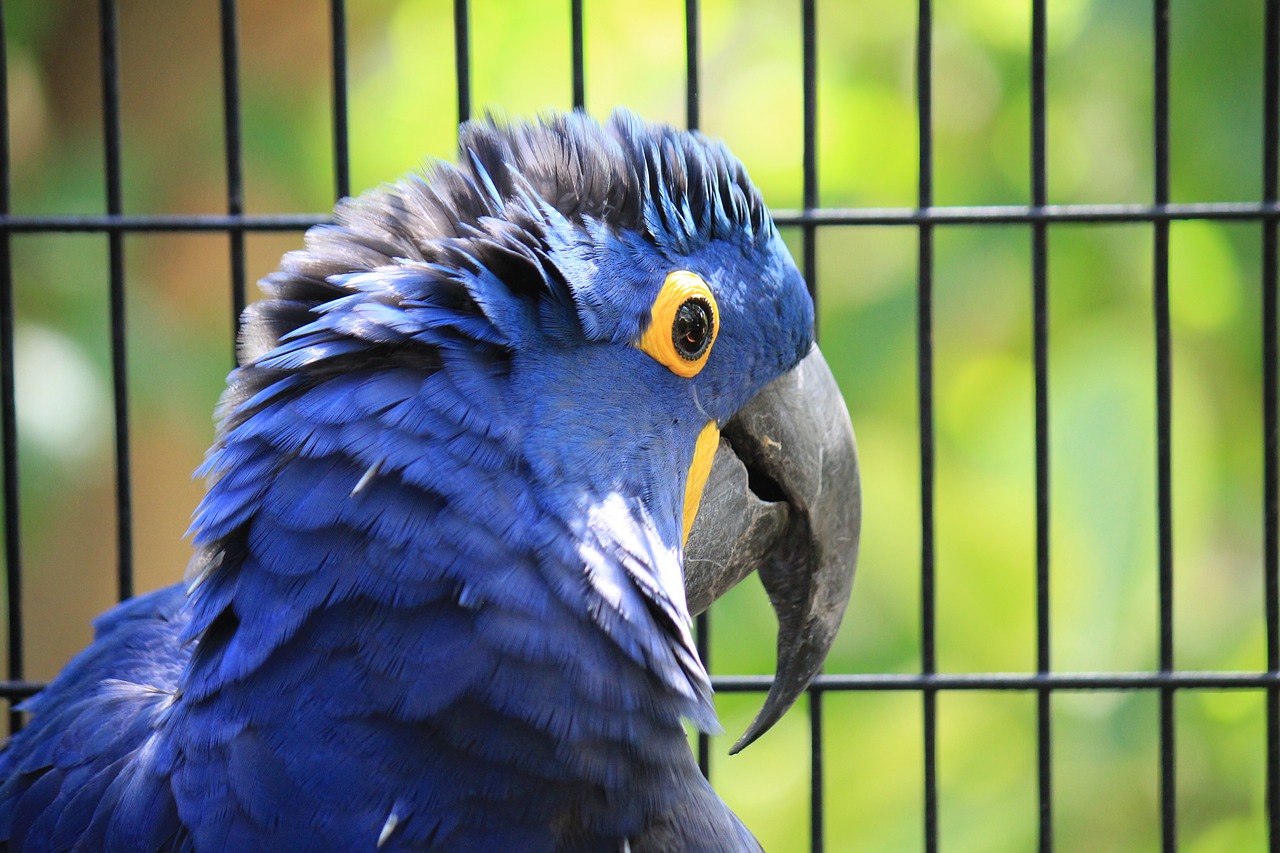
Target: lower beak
(784,500)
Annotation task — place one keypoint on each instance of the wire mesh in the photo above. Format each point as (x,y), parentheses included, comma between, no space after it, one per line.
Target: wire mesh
(1039,218)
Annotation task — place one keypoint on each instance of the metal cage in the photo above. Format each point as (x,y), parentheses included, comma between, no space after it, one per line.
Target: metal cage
(925,219)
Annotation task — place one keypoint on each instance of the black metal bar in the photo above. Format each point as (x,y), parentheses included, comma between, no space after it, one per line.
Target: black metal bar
(1020,215)
(817,802)
(1015,681)
(16,689)
(341,136)
(1164,478)
(692,42)
(235,161)
(8,402)
(1270,431)
(998,682)
(109,44)
(1066,214)
(928,661)
(577,40)
(809,75)
(809,249)
(924,345)
(462,58)
(140,223)
(1040,348)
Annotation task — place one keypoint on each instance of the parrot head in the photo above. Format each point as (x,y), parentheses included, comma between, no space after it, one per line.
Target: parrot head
(617,313)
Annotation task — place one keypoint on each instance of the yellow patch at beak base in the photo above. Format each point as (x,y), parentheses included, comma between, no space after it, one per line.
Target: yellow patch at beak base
(704,451)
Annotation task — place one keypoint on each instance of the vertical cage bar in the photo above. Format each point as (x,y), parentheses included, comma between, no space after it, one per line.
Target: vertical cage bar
(692,38)
(693,41)
(702,631)
(1270,436)
(816,828)
(341,135)
(462,58)
(577,39)
(924,361)
(1164,484)
(1040,347)
(235,159)
(809,75)
(8,402)
(109,46)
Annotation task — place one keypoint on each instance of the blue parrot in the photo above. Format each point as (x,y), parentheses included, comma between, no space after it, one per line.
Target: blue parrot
(443,574)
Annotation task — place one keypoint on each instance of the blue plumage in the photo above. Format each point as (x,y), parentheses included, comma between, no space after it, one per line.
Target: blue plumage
(436,602)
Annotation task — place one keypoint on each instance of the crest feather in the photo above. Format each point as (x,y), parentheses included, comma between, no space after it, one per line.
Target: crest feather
(503,208)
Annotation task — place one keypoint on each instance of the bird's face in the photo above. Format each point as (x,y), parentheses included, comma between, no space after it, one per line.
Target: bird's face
(673,346)
(721,324)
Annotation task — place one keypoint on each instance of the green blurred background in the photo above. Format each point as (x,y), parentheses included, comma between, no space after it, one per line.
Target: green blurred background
(1102,406)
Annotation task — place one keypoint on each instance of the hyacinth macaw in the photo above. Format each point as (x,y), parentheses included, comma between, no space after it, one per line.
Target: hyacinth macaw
(437,599)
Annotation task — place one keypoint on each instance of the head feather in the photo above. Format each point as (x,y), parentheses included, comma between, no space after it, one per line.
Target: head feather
(471,234)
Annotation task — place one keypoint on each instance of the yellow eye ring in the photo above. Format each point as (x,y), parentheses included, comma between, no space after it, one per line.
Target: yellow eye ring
(683,324)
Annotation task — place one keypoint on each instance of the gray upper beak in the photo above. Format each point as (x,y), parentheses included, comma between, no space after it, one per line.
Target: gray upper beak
(783,500)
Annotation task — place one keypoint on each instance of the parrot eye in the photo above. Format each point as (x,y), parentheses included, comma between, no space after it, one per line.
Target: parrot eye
(683,324)
(691,331)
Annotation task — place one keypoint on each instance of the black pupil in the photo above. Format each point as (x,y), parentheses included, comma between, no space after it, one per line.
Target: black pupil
(691,331)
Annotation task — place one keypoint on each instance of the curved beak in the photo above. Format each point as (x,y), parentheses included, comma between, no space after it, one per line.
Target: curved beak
(783,500)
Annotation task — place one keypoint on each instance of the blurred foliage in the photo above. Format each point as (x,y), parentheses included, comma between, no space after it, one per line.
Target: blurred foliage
(1102,407)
